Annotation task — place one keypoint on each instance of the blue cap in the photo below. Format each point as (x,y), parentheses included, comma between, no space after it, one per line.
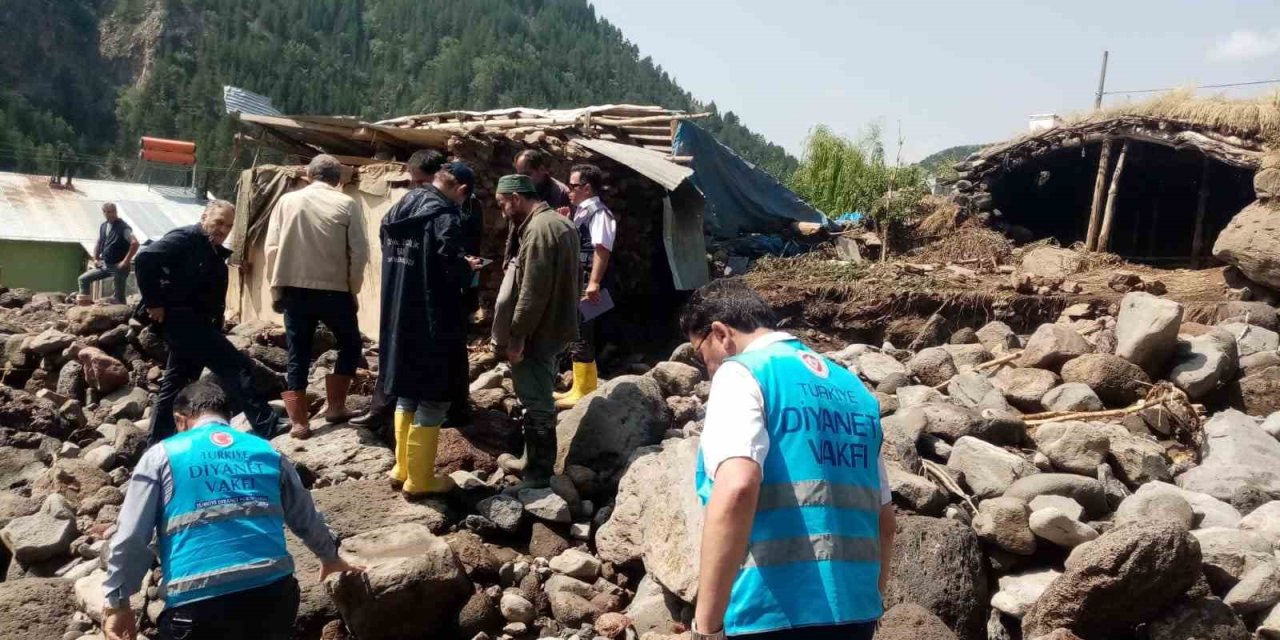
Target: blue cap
(460,172)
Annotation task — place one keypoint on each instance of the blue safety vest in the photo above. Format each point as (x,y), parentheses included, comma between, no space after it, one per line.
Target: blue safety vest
(223,529)
(814,554)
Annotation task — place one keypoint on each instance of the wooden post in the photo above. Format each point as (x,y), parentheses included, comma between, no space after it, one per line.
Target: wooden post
(1197,240)
(1104,236)
(1102,82)
(1099,187)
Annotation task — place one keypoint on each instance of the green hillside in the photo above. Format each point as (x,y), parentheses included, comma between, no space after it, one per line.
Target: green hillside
(97,74)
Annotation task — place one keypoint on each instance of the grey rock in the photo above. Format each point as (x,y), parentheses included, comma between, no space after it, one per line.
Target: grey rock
(1269,628)
(35,608)
(1252,339)
(1051,346)
(576,564)
(1237,453)
(998,337)
(654,610)
(1229,553)
(914,493)
(969,389)
(1258,589)
(918,394)
(1156,505)
(1025,387)
(676,378)
(1071,396)
(1120,580)
(939,565)
(1004,523)
(337,451)
(1147,330)
(515,608)
(1209,511)
(1061,503)
(1265,521)
(1117,381)
(1272,425)
(545,504)
(877,367)
(1060,528)
(1018,592)
(988,469)
(1086,491)
(1051,263)
(1074,447)
(1202,616)
(967,356)
(602,432)
(502,510)
(48,341)
(932,366)
(1204,363)
(406,566)
(908,621)
(44,535)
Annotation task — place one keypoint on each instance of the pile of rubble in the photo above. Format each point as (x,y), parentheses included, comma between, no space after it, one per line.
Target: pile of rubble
(1111,475)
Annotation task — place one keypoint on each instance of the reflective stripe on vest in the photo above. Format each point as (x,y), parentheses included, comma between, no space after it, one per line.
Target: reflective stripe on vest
(223,528)
(813,558)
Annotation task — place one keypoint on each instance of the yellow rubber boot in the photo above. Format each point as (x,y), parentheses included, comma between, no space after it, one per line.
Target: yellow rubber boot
(423,443)
(584,382)
(400,472)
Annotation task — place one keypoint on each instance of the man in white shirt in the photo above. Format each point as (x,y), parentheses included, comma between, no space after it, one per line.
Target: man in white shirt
(597,230)
(798,506)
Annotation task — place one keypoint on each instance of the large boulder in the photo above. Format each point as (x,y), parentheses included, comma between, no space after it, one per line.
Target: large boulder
(1237,454)
(657,517)
(1071,396)
(102,372)
(1147,330)
(988,469)
(22,411)
(1019,591)
(998,337)
(1122,579)
(21,467)
(1265,521)
(654,609)
(1209,511)
(1204,363)
(1251,339)
(35,608)
(97,318)
(938,564)
(1025,387)
(1258,392)
(1117,381)
(335,453)
(44,535)
(1052,263)
(908,621)
(407,566)
(1003,523)
(877,367)
(1074,447)
(48,341)
(1229,553)
(1051,346)
(1251,242)
(676,378)
(604,429)
(933,366)
(914,493)
(1199,616)
(1156,505)
(1086,491)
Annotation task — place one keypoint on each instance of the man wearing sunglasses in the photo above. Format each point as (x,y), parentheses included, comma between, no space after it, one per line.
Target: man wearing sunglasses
(799,522)
(596,231)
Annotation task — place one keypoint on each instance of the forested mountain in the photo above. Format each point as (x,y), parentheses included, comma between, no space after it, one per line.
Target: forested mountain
(941,161)
(95,75)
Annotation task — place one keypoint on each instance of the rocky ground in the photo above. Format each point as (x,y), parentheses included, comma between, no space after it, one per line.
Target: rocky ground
(1115,474)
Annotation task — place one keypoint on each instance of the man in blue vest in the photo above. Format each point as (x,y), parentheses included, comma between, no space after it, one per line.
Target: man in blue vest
(217,501)
(799,526)
(112,256)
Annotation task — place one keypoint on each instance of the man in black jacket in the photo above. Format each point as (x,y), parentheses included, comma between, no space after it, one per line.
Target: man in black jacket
(183,280)
(424,270)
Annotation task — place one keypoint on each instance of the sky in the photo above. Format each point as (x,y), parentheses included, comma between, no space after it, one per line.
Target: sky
(948,73)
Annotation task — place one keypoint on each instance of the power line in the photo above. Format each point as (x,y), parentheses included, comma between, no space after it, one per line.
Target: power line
(1203,86)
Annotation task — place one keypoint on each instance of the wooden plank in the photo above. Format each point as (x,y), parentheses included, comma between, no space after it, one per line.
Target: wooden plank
(1113,195)
(1202,203)
(1099,186)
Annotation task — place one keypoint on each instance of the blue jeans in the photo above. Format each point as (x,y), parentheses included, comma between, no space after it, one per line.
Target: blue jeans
(121,279)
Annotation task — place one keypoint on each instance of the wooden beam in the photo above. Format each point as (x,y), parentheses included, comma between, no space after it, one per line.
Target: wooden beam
(1197,240)
(1099,185)
(1113,195)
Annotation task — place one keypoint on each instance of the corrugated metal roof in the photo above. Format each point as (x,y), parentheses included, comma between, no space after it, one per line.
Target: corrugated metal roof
(238,100)
(31,210)
(648,163)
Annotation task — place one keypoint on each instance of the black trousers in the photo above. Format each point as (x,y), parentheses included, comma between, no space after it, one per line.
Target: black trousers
(264,613)
(857,631)
(304,310)
(195,341)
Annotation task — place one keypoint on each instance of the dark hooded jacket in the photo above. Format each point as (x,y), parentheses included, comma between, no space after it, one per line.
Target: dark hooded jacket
(423,272)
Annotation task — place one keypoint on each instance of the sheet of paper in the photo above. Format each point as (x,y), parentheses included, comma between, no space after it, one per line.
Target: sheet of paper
(590,310)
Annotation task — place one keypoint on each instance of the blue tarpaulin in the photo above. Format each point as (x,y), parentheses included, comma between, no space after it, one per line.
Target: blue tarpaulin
(740,197)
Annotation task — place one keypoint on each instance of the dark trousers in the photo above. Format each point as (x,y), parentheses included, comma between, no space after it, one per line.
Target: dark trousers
(304,309)
(857,631)
(195,341)
(264,613)
(584,348)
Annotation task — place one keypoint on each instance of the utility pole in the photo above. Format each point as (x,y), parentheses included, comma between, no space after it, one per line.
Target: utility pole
(1102,82)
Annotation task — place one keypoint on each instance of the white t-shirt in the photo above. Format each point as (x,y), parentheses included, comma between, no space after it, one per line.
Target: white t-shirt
(603,227)
(735,422)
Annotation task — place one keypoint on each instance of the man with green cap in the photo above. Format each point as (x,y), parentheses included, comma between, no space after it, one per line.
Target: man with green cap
(544,317)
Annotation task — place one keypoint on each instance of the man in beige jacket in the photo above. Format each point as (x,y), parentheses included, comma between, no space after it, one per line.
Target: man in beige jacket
(317,250)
